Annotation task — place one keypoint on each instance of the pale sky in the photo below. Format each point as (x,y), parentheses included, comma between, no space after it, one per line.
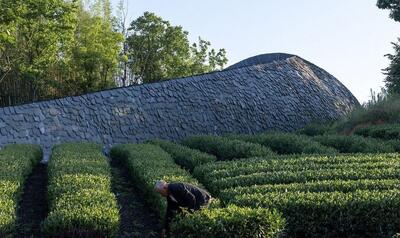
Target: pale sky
(348,38)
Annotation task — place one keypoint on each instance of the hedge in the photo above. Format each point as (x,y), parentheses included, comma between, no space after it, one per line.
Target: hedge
(354,144)
(336,214)
(346,186)
(146,164)
(81,203)
(297,160)
(301,177)
(16,163)
(386,131)
(232,221)
(250,172)
(225,148)
(395,144)
(287,143)
(184,156)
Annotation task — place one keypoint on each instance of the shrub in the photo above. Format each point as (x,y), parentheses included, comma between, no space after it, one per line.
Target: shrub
(227,222)
(16,163)
(318,128)
(287,143)
(250,172)
(146,164)
(225,148)
(184,156)
(81,203)
(337,214)
(345,186)
(354,144)
(301,177)
(386,131)
(395,144)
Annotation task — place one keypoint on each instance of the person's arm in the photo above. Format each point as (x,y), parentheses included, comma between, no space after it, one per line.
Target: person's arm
(169,214)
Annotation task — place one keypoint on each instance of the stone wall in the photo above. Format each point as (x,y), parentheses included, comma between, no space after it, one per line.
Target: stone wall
(285,94)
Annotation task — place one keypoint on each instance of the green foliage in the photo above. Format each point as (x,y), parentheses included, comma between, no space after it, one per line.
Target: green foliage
(160,51)
(383,108)
(148,163)
(184,156)
(227,222)
(385,131)
(287,143)
(345,186)
(354,144)
(16,163)
(308,214)
(395,144)
(318,128)
(318,195)
(55,48)
(393,71)
(226,148)
(232,174)
(393,6)
(81,203)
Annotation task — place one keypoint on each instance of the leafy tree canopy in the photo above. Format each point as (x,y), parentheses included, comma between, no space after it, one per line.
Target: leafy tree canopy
(393,6)
(159,50)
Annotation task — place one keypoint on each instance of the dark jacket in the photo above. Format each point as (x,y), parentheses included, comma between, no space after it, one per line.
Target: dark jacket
(183,195)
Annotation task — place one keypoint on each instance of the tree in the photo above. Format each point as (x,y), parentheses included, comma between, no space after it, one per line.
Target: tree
(161,51)
(30,45)
(55,48)
(393,6)
(95,52)
(393,71)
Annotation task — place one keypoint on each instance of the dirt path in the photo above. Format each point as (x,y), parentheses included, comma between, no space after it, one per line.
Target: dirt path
(33,208)
(136,219)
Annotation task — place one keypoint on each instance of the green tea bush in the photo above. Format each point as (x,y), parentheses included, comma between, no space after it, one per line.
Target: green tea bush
(81,203)
(301,177)
(385,131)
(334,214)
(318,128)
(184,156)
(287,143)
(148,163)
(354,144)
(252,171)
(228,222)
(345,186)
(16,163)
(395,144)
(225,148)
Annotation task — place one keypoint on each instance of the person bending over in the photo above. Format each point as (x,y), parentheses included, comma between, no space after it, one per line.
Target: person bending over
(180,195)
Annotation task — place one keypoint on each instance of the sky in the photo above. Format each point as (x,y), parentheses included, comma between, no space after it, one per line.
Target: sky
(347,38)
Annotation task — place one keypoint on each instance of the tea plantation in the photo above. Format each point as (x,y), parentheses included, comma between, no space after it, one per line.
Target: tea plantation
(267,185)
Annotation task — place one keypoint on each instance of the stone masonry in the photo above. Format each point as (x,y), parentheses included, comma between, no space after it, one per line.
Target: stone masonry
(273,91)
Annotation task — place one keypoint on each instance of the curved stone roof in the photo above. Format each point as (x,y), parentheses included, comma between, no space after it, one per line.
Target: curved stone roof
(273,91)
(261,59)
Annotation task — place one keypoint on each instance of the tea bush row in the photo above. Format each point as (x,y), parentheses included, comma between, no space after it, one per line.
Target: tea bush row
(16,163)
(225,148)
(354,144)
(360,213)
(302,177)
(184,156)
(386,132)
(81,203)
(148,163)
(345,186)
(286,143)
